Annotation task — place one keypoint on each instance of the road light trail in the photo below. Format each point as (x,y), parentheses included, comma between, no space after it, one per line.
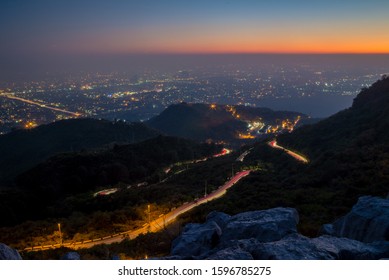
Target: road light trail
(42,105)
(154,226)
(298,157)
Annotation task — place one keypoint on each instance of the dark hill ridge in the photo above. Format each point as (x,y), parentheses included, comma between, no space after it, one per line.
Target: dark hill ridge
(84,171)
(197,121)
(364,125)
(216,122)
(22,149)
(54,186)
(349,153)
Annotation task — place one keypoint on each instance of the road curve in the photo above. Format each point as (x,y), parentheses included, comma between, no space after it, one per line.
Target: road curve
(298,157)
(155,225)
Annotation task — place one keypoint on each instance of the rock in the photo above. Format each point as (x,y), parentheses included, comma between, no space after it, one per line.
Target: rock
(220,218)
(7,253)
(327,229)
(71,256)
(272,235)
(298,247)
(197,239)
(292,247)
(169,258)
(234,253)
(368,221)
(382,247)
(265,226)
(348,249)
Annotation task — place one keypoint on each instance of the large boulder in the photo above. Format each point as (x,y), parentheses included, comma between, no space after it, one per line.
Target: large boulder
(197,239)
(71,256)
(368,221)
(7,253)
(299,247)
(220,218)
(232,253)
(349,249)
(271,234)
(292,247)
(264,226)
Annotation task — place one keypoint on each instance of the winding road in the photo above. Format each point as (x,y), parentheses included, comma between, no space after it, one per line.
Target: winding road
(163,220)
(298,157)
(155,225)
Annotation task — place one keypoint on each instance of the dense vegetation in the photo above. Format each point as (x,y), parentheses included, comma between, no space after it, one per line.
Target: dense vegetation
(216,122)
(197,121)
(53,188)
(22,149)
(364,125)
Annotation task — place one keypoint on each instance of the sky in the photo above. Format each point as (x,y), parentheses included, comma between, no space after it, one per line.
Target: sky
(38,28)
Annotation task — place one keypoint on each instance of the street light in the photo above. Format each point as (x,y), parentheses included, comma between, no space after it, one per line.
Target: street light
(148,208)
(60,234)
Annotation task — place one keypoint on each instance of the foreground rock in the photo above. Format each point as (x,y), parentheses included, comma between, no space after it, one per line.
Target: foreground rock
(71,256)
(272,235)
(222,231)
(268,225)
(368,221)
(298,247)
(7,253)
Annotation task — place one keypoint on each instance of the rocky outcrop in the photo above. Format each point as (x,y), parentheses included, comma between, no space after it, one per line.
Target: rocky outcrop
(7,253)
(272,235)
(71,256)
(222,230)
(298,247)
(268,225)
(368,221)
(198,239)
(233,253)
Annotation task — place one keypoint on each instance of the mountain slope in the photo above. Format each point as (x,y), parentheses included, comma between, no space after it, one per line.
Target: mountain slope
(22,149)
(363,126)
(197,121)
(349,153)
(66,178)
(349,158)
(216,122)
(80,172)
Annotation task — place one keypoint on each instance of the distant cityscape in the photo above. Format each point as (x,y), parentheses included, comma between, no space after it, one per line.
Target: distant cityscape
(139,97)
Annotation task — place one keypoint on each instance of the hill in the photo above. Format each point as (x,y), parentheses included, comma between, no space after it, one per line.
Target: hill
(220,122)
(73,173)
(197,121)
(349,158)
(363,126)
(68,178)
(22,149)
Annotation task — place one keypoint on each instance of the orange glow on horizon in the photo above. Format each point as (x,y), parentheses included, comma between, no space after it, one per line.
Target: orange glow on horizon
(299,48)
(332,39)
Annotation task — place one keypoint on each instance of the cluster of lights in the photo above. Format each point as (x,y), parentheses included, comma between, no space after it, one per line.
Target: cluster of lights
(30,124)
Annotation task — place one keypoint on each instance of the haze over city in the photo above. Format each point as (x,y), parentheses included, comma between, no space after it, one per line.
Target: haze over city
(84,56)
(59,33)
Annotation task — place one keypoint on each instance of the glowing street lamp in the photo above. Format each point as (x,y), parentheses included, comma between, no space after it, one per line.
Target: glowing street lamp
(60,234)
(148,210)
